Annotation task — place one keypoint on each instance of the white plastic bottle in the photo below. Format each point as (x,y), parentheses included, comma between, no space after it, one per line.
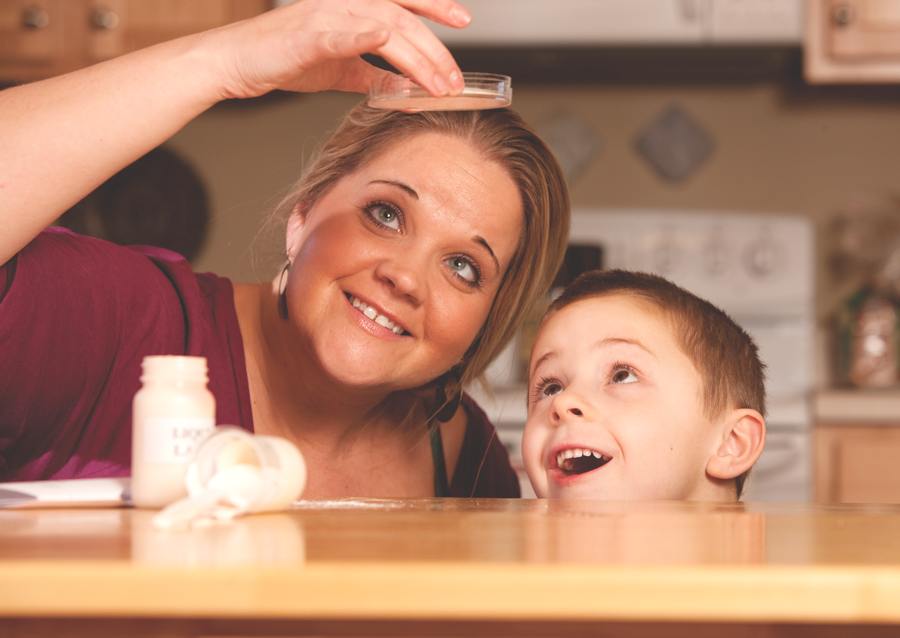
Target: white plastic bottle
(172,413)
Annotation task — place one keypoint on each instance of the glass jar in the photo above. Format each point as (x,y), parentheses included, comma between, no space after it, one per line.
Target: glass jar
(868,352)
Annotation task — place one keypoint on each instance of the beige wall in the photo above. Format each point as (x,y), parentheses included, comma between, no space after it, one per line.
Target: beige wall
(248,155)
(773,153)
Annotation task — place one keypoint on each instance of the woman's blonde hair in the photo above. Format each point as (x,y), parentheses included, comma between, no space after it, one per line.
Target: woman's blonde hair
(503,137)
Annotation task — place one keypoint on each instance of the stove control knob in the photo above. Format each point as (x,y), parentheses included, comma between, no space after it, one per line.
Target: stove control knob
(715,255)
(761,257)
(665,256)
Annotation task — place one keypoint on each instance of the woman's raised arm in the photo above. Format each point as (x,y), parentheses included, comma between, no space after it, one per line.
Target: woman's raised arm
(60,138)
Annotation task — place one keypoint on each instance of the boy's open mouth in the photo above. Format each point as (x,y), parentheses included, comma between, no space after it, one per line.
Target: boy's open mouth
(580,460)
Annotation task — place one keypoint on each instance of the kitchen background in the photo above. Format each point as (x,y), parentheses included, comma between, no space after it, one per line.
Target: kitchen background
(671,111)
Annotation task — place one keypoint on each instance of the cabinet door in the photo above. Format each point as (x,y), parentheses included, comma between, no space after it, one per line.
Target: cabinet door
(119,26)
(31,38)
(852,41)
(40,38)
(864,30)
(856,464)
(527,22)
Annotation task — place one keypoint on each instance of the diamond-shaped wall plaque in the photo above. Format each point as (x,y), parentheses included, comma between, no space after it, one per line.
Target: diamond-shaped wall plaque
(674,144)
(572,141)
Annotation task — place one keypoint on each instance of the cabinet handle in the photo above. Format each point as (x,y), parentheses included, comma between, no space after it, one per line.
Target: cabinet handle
(104,19)
(35,17)
(842,14)
(690,10)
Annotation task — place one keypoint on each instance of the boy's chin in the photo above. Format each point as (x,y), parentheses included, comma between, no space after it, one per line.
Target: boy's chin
(581,491)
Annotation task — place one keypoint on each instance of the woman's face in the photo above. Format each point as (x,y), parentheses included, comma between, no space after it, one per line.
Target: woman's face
(395,268)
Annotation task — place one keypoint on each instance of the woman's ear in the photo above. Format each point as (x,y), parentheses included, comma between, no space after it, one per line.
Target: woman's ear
(744,436)
(293,236)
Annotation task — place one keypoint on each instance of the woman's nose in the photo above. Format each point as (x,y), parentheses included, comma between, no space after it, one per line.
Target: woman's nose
(402,277)
(567,405)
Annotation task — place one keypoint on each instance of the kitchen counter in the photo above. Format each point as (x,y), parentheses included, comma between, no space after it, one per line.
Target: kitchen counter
(864,407)
(378,567)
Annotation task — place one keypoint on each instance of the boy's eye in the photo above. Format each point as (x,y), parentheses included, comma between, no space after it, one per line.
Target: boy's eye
(551,388)
(384,214)
(547,388)
(623,374)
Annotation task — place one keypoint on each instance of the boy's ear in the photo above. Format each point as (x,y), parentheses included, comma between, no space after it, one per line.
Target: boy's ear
(293,236)
(744,436)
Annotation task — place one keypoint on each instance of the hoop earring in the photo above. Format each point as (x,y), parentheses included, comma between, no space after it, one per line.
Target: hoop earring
(445,408)
(282,290)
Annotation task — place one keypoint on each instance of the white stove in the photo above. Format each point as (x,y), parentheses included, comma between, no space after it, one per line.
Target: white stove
(759,268)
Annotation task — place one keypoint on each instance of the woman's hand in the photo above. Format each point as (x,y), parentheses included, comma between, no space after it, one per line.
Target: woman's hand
(76,130)
(314,45)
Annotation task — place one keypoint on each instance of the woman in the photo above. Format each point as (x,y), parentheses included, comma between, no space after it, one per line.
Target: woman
(413,246)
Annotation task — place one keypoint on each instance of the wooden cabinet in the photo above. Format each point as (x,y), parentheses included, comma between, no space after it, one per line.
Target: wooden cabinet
(40,38)
(857,463)
(118,26)
(852,41)
(32,37)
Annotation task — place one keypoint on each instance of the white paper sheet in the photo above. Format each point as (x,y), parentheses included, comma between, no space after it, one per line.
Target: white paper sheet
(98,492)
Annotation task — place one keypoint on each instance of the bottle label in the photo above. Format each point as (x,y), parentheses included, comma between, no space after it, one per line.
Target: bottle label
(174,440)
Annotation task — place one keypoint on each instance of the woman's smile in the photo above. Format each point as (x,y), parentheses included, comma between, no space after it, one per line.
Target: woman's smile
(375,320)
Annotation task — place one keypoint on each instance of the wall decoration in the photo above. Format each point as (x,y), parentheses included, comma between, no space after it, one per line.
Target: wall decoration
(674,144)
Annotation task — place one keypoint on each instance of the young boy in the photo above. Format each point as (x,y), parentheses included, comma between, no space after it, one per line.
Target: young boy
(639,390)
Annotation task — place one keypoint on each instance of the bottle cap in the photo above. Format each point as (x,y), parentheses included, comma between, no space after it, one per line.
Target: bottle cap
(173,365)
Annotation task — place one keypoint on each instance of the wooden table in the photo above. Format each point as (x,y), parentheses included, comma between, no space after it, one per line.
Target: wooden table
(457,567)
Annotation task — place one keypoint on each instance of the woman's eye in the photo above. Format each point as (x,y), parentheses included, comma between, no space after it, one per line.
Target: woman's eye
(465,269)
(384,214)
(623,374)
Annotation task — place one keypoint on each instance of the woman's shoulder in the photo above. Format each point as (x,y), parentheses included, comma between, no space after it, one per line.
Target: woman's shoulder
(119,301)
(61,241)
(58,253)
(119,304)
(148,272)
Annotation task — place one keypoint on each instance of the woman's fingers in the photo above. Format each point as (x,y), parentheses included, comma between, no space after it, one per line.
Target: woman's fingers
(446,77)
(331,45)
(358,75)
(346,45)
(345,48)
(310,45)
(411,47)
(417,52)
(448,12)
(412,62)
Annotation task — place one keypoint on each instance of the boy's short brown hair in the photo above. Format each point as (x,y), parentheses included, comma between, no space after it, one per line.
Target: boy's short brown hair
(724,354)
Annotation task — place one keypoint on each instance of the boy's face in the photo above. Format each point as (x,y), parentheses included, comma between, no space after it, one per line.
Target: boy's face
(608,379)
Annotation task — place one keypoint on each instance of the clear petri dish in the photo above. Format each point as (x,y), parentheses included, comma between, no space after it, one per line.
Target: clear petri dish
(481,91)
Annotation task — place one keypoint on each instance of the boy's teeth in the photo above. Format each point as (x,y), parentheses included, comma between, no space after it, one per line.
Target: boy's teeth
(576,453)
(372,314)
